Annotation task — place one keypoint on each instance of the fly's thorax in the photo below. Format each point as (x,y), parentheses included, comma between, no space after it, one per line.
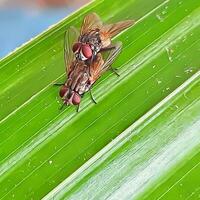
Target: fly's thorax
(79,77)
(89,45)
(91,36)
(68,91)
(95,40)
(83,84)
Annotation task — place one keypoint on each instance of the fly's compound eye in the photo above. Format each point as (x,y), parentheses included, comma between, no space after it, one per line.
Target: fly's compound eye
(76,47)
(76,99)
(63,90)
(86,51)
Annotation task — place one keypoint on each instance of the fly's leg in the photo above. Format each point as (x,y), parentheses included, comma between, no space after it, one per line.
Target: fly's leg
(114,70)
(62,106)
(91,95)
(77,108)
(112,48)
(58,84)
(116,49)
(108,48)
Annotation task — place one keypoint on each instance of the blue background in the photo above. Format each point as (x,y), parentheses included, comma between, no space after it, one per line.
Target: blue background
(20,25)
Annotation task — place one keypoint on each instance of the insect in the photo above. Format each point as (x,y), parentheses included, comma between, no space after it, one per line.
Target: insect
(96,37)
(81,76)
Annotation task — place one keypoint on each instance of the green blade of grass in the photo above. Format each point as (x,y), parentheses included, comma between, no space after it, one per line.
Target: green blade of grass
(40,145)
(149,160)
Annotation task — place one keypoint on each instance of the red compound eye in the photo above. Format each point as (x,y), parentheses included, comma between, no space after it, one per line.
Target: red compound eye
(76,47)
(63,90)
(87,51)
(76,99)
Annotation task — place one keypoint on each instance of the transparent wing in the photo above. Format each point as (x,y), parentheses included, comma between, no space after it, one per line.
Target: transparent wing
(95,68)
(91,22)
(71,36)
(111,57)
(98,67)
(113,29)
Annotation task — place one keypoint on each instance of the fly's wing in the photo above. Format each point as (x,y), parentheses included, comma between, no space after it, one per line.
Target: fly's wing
(111,30)
(95,68)
(71,36)
(111,57)
(98,67)
(91,22)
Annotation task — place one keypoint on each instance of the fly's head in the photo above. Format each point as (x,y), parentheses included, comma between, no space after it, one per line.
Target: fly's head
(82,51)
(69,97)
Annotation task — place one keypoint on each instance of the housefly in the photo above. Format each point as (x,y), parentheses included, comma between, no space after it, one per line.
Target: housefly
(96,37)
(81,76)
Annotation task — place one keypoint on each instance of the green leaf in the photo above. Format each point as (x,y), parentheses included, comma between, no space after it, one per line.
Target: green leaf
(42,146)
(163,143)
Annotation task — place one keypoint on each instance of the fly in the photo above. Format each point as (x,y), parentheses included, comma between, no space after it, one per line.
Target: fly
(81,76)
